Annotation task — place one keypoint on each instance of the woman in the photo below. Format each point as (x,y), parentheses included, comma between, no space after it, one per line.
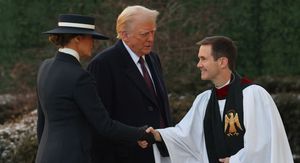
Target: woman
(68,105)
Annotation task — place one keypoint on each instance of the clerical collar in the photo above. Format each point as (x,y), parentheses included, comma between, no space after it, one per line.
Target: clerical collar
(224,85)
(222,91)
(72,52)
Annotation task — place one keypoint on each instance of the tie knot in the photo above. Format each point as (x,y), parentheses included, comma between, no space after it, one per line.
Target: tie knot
(141,61)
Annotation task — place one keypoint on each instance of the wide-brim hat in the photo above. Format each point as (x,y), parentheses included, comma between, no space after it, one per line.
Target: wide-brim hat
(76,24)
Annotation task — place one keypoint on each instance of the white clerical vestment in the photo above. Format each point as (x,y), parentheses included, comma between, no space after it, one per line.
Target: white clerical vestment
(265,140)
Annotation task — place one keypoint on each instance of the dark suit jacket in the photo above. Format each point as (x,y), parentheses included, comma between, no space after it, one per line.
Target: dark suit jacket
(127,99)
(69,108)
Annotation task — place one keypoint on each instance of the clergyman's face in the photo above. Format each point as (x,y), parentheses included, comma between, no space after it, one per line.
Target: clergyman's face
(140,38)
(208,66)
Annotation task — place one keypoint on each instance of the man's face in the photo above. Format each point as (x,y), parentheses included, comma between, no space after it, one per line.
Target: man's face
(209,67)
(140,37)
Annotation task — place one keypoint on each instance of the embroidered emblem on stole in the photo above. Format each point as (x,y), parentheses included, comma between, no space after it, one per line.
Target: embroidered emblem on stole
(231,122)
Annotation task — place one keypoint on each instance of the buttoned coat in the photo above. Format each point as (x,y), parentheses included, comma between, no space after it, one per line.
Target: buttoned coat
(68,109)
(127,98)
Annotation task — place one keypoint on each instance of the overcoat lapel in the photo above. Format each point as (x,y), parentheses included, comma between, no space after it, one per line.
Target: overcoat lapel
(156,78)
(133,73)
(154,73)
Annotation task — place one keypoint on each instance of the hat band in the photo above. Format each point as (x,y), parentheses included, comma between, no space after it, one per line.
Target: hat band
(77,25)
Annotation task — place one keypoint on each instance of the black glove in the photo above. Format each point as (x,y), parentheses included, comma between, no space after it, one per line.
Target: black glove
(149,137)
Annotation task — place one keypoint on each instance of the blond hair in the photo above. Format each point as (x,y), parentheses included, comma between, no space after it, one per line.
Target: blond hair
(130,14)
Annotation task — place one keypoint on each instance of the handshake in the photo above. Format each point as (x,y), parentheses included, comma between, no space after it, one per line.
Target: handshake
(149,137)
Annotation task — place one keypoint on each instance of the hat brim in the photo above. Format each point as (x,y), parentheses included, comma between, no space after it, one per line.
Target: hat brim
(70,30)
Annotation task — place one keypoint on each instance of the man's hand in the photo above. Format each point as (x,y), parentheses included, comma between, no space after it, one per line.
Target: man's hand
(151,135)
(223,160)
(146,139)
(155,133)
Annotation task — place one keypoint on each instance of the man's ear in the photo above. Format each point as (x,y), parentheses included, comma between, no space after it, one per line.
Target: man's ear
(223,61)
(124,35)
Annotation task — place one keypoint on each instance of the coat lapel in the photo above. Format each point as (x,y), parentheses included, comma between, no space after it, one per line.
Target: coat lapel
(153,64)
(155,76)
(133,73)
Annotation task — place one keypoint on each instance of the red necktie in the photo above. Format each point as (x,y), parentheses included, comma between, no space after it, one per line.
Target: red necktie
(150,86)
(147,76)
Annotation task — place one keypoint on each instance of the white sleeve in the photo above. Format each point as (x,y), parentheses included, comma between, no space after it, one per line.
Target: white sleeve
(185,142)
(265,139)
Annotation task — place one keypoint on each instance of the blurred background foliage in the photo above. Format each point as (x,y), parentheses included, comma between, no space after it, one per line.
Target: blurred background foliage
(266,33)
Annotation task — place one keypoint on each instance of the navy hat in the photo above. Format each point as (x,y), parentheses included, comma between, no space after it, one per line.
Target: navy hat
(76,24)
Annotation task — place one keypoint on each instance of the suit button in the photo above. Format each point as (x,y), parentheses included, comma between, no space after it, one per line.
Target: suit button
(150,108)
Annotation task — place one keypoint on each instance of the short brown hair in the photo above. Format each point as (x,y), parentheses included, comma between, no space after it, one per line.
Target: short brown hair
(222,47)
(60,40)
